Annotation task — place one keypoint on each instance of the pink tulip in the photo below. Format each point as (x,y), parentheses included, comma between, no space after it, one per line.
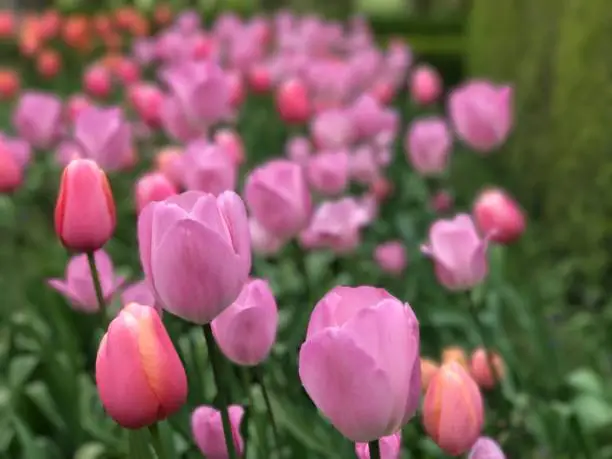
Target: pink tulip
(37,119)
(453,409)
(104,135)
(263,242)
(168,161)
(246,331)
(154,186)
(292,102)
(332,129)
(390,447)
(360,361)
(85,214)
(499,216)
(207,167)
(237,92)
(139,292)
(486,448)
(127,71)
(458,252)
(328,172)
(260,80)
(481,113)
(175,122)
(195,252)
(139,375)
(278,197)
(298,150)
(76,104)
(481,364)
(369,118)
(391,257)
(230,142)
(14,157)
(78,287)
(207,430)
(442,201)
(425,85)
(364,167)
(427,146)
(97,81)
(147,100)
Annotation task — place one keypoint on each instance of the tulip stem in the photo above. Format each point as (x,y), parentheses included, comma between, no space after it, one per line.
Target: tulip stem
(374,448)
(158,445)
(98,288)
(216,363)
(268,402)
(482,332)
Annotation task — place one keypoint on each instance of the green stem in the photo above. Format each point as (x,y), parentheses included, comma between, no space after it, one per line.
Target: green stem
(482,332)
(91,259)
(215,361)
(259,427)
(268,402)
(374,449)
(158,445)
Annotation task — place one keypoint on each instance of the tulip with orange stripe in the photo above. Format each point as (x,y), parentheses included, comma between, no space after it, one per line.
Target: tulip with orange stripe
(139,375)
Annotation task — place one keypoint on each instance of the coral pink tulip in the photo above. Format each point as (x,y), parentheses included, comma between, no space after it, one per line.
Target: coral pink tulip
(499,216)
(427,145)
(85,215)
(453,411)
(9,83)
(391,257)
(278,197)
(246,331)
(390,447)
(78,287)
(48,63)
(458,252)
(328,172)
(37,119)
(139,375)
(480,368)
(455,354)
(207,430)
(151,187)
(168,161)
(195,252)
(14,157)
(360,361)
(486,448)
(97,81)
(425,85)
(292,102)
(481,113)
(428,370)
(207,167)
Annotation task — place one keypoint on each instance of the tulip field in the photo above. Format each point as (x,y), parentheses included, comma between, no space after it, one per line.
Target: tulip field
(241,238)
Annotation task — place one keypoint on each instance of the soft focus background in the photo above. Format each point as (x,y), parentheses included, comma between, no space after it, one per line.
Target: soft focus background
(547,295)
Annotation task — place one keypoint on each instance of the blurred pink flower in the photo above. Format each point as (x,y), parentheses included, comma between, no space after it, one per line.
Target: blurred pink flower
(139,292)
(292,102)
(332,129)
(153,186)
(147,100)
(428,145)
(328,172)
(263,242)
(499,216)
(207,167)
(425,85)
(15,155)
(97,81)
(298,150)
(37,118)
(230,142)
(391,257)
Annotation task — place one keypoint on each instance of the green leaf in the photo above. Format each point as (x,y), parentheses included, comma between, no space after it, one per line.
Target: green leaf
(27,441)
(593,412)
(90,451)
(40,396)
(585,380)
(138,445)
(21,368)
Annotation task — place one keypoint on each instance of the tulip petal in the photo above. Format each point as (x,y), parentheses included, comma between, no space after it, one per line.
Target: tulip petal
(233,211)
(145,239)
(346,385)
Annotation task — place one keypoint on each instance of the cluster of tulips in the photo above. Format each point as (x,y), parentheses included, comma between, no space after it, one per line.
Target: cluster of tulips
(333,88)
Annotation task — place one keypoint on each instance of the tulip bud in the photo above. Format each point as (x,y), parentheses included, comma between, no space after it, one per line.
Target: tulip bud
(206,167)
(428,370)
(168,161)
(442,201)
(427,145)
(391,257)
(37,119)
(14,158)
(292,102)
(9,84)
(455,354)
(425,85)
(259,79)
(207,430)
(480,368)
(127,71)
(139,375)
(328,172)
(453,409)
(48,63)
(75,105)
(85,211)
(332,129)
(153,187)
(499,216)
(147,100)
(486,448)
(246,330)
(458,252)
(97,81)
(390,447)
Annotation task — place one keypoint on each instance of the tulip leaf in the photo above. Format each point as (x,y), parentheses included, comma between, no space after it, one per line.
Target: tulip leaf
(21,368)
(28,443)
(593,412)
(38,393)
(138,445)
(585,380)
(90,451)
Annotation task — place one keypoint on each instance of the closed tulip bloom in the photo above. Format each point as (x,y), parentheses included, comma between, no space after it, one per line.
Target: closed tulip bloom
(37,119)
(14,157)
(390,447)
(168,161)
(207,430)
(458,252)
(360,361)
(292,102)
(147,100)
(278,197)
(104,135)
(499,216)
(175,121)
(328,172)
(370,118)
(195,252)
(207,167)
(427,145)
(453,409)
(75,105)
(480,368)
(391,257)
(455,354)
(231,143)
(139,375)
(78,287)
(428,370)
(481,113)
(425,85)
(9,83)
(85,215)
(298,150)
(246,330)
(332,129)
(364,167)
(151,187)
(97,81)
(486,448)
